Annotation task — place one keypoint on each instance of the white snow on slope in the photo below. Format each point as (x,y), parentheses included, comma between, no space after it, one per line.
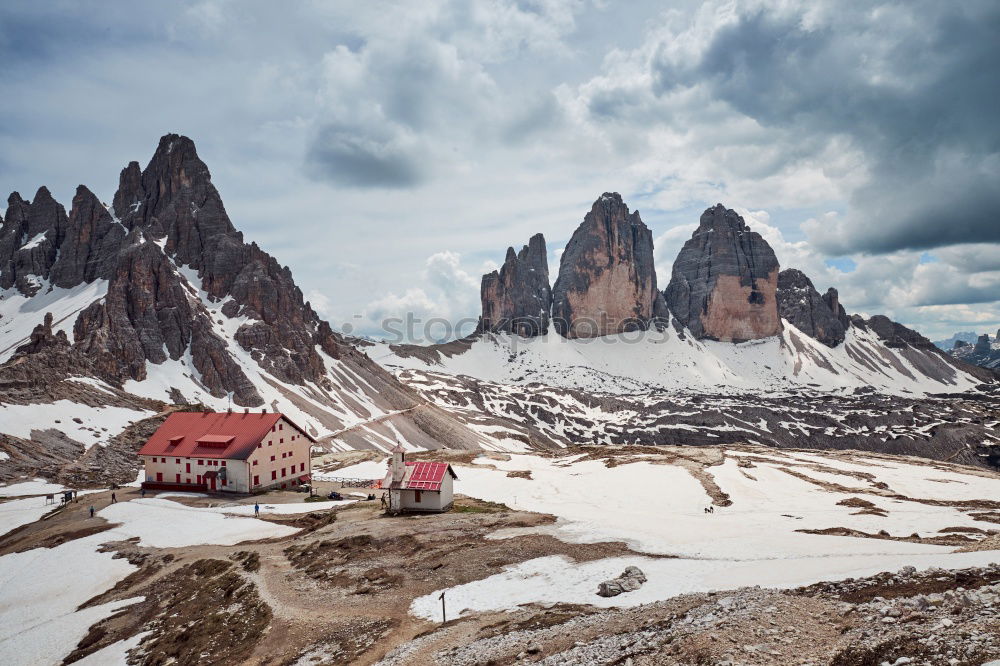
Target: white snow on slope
(36,487)
(19,314)
(557,579)
(659,508)
(42,588)
(162,523)
(661,360)
(115,654)
(99,424)
(15,513)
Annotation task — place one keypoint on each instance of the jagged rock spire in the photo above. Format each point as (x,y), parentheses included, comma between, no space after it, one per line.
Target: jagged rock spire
(606,281)
(517,298)
(724,280)
(802,306)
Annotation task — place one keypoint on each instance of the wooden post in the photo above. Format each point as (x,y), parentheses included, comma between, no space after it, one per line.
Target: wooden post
(444,617)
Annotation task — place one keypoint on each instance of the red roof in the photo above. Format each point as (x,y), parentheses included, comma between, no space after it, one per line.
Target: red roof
(231,435)
(426,475)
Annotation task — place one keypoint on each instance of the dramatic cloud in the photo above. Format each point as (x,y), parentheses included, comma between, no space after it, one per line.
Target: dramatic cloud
(390,152)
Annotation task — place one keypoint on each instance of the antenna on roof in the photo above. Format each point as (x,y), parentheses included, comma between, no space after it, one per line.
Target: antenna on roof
(229,398)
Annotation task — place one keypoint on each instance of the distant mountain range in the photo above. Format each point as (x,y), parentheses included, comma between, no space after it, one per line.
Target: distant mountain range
(949,343)
(113,315)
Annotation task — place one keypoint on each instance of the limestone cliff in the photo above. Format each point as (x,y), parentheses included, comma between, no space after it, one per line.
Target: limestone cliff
(724,281)
(606,281)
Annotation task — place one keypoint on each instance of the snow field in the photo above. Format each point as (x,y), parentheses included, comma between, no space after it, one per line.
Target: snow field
(42,588)
(633,363)
(659,509)
(161,523)
(98,423)
(558,579)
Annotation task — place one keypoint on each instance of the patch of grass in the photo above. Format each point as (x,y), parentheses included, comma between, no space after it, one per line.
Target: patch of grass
(480,506)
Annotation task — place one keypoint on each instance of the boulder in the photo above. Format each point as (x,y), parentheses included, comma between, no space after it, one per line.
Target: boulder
(607,283)
(801,305)
(630,580)
(517,298)
(724,282)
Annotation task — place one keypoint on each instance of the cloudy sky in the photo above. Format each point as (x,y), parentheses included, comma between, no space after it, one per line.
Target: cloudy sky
(389,152)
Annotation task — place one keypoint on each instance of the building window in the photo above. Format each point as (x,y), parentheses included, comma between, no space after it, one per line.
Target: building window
(223,463)
(272,458)
(256,479)
(201,462)
(274,474)
(283,475)
(273,428)
(254,463)
(177,461)
(281,426)
(281,441)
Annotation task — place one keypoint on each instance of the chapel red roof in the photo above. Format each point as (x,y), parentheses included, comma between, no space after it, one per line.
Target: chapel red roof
(426,475)
(230,435)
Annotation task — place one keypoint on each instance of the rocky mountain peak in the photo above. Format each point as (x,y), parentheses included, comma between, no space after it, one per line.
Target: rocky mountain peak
(91,244)
(801,305)
(517,297)
(29,241)
(982,344)
(724,280)
(174,197)
(607,283)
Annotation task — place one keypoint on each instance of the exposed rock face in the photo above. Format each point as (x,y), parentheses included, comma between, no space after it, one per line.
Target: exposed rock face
(960,343)
(801,305)
(832,300)
(893,333)
(982,344)
(724,281)
(174,196)
(90,248)
(29,241)
(43,338)
(606,281)
(517,298)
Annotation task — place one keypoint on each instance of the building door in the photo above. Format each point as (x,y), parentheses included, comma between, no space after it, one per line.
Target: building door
(187,468)
(213,483)
(159,477)
(256,480)
(178,478)
(199,479)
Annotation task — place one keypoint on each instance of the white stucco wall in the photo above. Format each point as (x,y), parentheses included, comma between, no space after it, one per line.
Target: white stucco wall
(288,445)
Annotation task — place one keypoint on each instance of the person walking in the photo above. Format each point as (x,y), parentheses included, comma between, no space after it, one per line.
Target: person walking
(142,492)
(91,511)
(256,510)
(114,498)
